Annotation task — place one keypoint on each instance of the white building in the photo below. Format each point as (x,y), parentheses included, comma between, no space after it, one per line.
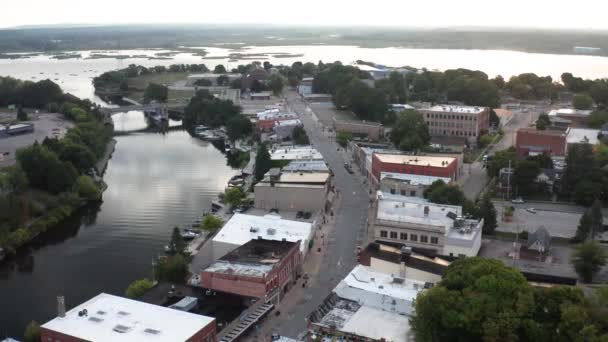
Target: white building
(405,184)
(290,153)
(305,86)
(416,222)
(582,136)
(368,306)
(284,128)
(242,228)
(306,166)
(108,318)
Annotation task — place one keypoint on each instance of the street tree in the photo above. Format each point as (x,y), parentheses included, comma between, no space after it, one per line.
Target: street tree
(588,258)
(263,163)
(211,223)
(300,137)
(138,287)
(233,196)
(410,132)
(172,269)
(156,92)
(276,84)
(487,211)
(501,160)
(524,176)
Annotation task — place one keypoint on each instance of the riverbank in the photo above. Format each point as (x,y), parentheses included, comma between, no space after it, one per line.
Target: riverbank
(102,163)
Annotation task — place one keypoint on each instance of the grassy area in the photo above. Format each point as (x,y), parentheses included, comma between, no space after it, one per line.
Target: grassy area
(137,85)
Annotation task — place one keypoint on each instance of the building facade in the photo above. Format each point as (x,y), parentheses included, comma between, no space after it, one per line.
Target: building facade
(416,222)
(457,121)
(259,269)
(530,141)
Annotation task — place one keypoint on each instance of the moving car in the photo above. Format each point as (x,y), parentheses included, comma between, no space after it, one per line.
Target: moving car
(518,200)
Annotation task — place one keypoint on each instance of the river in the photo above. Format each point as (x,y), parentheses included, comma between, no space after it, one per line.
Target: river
(156,180)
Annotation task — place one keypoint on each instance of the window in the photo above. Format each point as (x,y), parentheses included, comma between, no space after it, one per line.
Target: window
(403,236)
(413,237)
(424,239)
(413,193)
(383,233)
(434,240)
(393,235)
(403,193)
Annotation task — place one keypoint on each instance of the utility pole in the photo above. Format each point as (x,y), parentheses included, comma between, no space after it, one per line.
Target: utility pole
(509,181)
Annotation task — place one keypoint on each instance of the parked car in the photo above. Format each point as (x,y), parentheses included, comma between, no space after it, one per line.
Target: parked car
(531,210)
(518,200)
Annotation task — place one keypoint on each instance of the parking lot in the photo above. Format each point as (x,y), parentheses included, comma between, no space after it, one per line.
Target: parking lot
(45,125)
(325,112)
(559,220)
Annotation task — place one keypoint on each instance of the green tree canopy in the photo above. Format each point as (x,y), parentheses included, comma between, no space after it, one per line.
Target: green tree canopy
(263,163)
(238,127)
(276,83)
(44,170)
(524,176)
(477,300)
(177,244)
(138,287)
(211,223)
(487,211)
(32,332)
(582,101)
(588,258)
(300,137)
(219,69)
(410,132)
(543,122)
(156,92)
(85,187)
(234,196)
(172,269)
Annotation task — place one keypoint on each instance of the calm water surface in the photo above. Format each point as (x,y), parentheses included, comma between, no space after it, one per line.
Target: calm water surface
(154,182)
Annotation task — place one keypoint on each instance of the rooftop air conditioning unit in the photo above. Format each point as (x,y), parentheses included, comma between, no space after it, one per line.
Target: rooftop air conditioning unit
(254,229)
(271,231)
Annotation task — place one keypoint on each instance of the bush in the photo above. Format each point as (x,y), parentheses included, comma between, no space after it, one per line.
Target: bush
(86,188)
(485,140)
(172,269)
(343,137)
(138,287)
(211,223)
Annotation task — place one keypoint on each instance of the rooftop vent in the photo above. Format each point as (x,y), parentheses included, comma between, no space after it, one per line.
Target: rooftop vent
(123,313)
(151,331)
(426,210)
(119,328)
(101,312)
(60,306)
(254,229)
(95,319)
(271,231)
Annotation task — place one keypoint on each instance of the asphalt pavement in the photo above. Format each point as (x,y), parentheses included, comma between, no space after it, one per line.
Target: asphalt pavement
(348,232)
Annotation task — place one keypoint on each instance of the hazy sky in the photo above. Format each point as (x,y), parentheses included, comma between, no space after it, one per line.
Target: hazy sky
(436,13)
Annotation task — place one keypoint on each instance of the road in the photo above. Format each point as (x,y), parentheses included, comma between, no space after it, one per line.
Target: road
(475,176)
(350,221)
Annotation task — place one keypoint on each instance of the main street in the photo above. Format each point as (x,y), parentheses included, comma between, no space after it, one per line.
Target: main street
(339,253)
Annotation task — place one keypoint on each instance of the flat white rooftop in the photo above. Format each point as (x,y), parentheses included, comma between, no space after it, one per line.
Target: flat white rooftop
(295,153)
(291,122)
(403,209)
(379,290)
(456,109)
(242,228)
(582,136)
(433,161)
(377,324)
(307,165)
(116,319)
(275,116)
(569,111)
(413,179)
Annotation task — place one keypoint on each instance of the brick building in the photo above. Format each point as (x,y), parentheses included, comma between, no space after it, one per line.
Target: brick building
(267,121)
(374,131)
(258,269)
(438,166)
(530,141)
(457,121)
(108,318)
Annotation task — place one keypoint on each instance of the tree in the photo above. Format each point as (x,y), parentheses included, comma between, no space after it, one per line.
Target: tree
(478,299)
(582,101)
(597,118)
(177,244)
(21,114)
(263,163)
(85,187)
(79,155)
(588,258)
(494,119)
(584,227)
(596,218)
(501,160)
(276,84)
(211,223)
(223,80)
(410,132)
(524,176)
(156,92)
(32,332)
(441,193)
(44,170)
(219,69)
(300,137)
(488,213)
(234,196)
(343,137)
(138,287)
(543,122)
(172,269)
(238,127)
(15,179)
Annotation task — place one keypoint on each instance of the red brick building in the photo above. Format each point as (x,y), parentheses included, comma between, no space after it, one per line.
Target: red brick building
(267,122)
(437,166)
(112,318)
(530,141)
(258,269)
